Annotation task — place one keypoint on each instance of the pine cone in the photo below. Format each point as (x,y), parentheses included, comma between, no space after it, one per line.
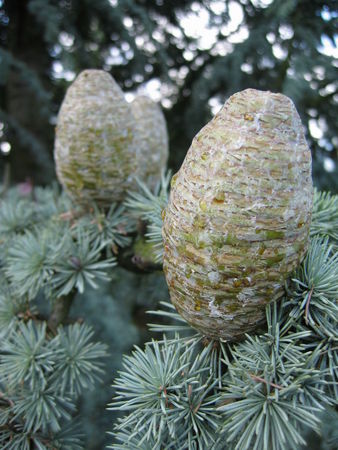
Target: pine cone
(237,222)
(95,150)
(153,140)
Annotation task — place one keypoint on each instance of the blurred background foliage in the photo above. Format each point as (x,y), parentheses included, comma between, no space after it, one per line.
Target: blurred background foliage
(188,55)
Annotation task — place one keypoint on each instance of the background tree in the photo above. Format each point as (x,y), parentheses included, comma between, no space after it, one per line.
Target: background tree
(191,55)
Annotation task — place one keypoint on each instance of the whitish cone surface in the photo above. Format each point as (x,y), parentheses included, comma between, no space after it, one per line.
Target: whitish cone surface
(94,144)
(152,140)
(237,222)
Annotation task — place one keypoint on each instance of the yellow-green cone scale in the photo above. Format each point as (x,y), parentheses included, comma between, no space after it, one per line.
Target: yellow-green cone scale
(95,151)
(153,140)
(237,222)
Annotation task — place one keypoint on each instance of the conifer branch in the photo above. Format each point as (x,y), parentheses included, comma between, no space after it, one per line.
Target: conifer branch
(325,215)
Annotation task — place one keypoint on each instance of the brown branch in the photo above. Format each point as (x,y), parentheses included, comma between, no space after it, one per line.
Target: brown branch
(6,399)
(197,408)
(262,380)
(60,310)
(6,179)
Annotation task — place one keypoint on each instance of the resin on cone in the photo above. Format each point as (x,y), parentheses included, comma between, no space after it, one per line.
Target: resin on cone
(153,140)
(238,218)
(95,152)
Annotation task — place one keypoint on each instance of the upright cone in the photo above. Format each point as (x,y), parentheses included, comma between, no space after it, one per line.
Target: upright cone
(153,140)
(95,151)
(237,222)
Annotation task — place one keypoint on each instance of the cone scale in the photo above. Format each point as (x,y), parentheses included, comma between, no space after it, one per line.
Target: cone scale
(237,222)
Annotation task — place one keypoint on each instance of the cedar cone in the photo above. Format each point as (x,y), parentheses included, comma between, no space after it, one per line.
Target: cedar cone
(238,218)
(153,140)
(95,151)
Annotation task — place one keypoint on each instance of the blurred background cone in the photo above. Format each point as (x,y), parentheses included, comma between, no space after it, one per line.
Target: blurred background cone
(152,132)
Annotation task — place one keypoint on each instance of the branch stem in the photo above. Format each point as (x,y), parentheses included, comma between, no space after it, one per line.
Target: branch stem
(262,380)
(60,310)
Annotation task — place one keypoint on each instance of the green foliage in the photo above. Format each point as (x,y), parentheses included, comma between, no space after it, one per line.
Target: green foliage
(178,325)
(27,356)
(50,250)
(56,248)
(80,264)
(43,11)
(60,263)
(325,215)
(11,308)
(41,376)
(15,218)
(76,367)
(149,207)
(316,284)
(21,212)
(329,433)
(107,229)
(172,398)
(273,388)
(27,266)
(313,301)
